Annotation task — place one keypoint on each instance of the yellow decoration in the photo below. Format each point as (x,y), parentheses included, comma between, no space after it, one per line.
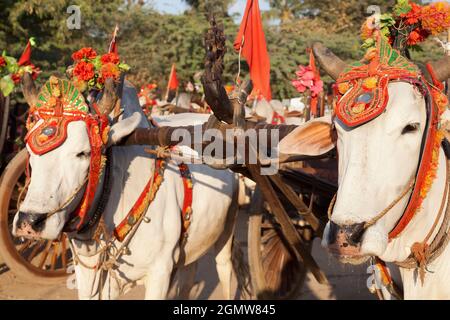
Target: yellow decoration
(358,108)
(370,83)
(343,87)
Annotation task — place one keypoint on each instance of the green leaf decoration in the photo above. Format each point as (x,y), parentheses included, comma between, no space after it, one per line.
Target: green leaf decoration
(402,7)
(32,41)
(124,67)
(6,85)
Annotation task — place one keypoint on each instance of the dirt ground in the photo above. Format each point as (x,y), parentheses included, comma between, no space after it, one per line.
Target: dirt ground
(346,282)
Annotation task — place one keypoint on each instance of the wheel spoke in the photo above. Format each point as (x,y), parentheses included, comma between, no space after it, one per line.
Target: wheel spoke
(45,254)
(24,246)
(35,250)
(54,258)
(64,251)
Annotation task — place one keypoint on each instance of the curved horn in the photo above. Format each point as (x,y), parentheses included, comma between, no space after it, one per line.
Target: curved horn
(441,68)
(29,89)
(332,64)
(109,97)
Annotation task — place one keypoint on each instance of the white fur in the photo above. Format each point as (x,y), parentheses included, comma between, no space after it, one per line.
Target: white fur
(155,248)
(376,162)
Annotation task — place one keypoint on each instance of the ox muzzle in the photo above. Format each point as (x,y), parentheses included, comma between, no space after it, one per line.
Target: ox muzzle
(29,225)
(345,240)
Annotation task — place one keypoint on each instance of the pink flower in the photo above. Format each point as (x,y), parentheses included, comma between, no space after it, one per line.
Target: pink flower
(307,80)
(317,88)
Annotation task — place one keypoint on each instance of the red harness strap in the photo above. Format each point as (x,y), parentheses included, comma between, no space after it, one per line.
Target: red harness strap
(148,195)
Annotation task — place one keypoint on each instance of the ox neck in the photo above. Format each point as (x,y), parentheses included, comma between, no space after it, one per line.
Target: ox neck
(421,224)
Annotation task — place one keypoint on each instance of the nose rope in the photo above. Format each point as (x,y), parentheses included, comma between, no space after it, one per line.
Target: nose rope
(375,219)
(66,203)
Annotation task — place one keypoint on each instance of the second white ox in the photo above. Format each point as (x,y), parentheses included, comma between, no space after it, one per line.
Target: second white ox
(154,251)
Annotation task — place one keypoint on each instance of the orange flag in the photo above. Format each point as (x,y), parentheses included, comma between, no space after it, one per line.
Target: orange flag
(173,80)
(314,98)
(252,42)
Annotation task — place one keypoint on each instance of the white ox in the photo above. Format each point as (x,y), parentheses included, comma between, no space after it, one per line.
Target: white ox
(154,251)
(376,162)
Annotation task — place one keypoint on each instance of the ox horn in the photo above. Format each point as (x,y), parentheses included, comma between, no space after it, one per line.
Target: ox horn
(441,68)
(29,89)
(109,98)
(332,64)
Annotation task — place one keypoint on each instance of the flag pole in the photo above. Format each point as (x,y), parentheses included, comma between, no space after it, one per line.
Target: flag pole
(116,30)
(168,83)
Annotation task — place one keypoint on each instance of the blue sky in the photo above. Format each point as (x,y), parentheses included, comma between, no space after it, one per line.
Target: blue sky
(178,6)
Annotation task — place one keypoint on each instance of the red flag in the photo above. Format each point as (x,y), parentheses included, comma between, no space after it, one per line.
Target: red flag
(252,42)
(173,80)
(113,45)
(25,59)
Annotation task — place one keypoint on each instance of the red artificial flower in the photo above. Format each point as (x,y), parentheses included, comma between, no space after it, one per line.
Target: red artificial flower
(109,70)
(84,53)
(84,71)
(413,16)
(15,78)
(417,36)
(2,62)
(110,58)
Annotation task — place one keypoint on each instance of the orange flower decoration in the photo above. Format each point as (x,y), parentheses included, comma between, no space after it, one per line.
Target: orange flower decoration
(109,70)
(84,53)
(84,71)
(110,58)
(436,17)
(368,28)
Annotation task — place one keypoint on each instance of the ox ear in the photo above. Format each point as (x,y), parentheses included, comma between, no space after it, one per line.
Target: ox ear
(124,128)
(313,138)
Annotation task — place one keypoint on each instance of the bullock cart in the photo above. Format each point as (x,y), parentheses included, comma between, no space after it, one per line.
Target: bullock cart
(288,208)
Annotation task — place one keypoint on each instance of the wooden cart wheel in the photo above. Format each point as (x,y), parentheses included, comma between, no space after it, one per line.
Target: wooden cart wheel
(274,271)
(39,261)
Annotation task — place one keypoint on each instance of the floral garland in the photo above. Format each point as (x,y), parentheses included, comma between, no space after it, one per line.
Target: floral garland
(12,71)
(91,70)
(409,24)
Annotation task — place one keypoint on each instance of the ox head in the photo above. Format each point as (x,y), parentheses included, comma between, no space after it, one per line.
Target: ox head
(377,161)
(59,175)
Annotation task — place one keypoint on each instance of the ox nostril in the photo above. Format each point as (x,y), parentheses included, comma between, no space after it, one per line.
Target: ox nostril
(351,233)
(35,221)
(356,233)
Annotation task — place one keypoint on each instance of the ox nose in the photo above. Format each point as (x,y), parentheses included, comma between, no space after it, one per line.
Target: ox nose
(30,220)
(346,235)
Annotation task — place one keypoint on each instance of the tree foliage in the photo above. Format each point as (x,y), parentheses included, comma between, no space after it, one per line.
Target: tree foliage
(150,41)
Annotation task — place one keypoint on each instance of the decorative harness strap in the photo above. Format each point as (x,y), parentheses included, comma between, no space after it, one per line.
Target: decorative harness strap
(147,196)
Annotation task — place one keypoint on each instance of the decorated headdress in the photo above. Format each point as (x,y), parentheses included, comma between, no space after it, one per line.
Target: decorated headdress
(59,103)
(364,85)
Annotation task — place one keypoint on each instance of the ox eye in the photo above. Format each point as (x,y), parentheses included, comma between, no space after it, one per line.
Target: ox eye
(84,154)
(410,128)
